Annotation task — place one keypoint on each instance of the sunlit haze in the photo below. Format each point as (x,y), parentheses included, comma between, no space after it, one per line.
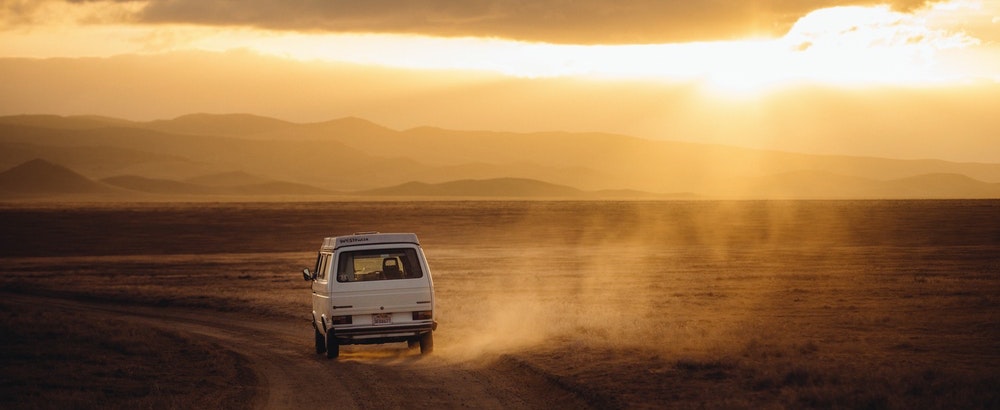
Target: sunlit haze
(844,45)
(758,57)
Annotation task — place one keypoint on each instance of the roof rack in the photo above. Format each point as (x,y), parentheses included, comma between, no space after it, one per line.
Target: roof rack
(364,238)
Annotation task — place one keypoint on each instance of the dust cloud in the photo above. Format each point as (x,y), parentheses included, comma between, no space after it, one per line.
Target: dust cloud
(683,278)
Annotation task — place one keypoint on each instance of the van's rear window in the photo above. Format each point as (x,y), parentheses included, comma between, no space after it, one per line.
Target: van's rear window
(378,264)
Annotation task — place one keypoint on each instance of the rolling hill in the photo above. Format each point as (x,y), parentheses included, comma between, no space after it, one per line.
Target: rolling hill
(41,177)
(234,178)
(228,125)
(156,186)
(352,154)
(38,176)
(499,187)
(169,187)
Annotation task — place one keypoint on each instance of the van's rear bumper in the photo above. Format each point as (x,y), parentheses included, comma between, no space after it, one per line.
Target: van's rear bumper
(380,334)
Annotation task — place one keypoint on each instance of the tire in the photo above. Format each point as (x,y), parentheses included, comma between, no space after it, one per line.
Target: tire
(427,343)
(332,347)
(320,342)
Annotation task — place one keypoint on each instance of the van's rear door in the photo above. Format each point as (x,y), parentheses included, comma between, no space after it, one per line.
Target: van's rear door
(382,303)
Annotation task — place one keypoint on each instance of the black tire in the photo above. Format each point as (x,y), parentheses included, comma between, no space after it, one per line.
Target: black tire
(320,342)
(427,343)
(332,347)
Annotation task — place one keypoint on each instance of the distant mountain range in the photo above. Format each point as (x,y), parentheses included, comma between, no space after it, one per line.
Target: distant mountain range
(39,177)
(242,156)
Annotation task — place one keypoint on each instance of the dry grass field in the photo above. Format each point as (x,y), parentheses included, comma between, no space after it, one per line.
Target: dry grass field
(718,304)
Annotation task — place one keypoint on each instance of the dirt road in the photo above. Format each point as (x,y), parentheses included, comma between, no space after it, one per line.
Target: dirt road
(388,376)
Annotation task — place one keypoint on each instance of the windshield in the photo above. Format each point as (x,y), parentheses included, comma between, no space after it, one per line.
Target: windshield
(378,264)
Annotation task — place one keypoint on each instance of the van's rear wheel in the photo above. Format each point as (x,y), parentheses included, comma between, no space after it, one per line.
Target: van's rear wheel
(332,347)
(427,343)
(320,342)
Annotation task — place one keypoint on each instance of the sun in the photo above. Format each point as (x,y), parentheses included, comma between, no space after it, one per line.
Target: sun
(844,46)
(858,45)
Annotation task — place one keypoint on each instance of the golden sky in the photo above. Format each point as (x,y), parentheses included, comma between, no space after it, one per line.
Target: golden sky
(904,79)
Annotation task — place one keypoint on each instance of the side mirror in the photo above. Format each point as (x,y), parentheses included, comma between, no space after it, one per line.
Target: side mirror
(306,275)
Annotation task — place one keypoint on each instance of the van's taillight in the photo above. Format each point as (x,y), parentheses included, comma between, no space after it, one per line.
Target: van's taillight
(340,320)
(423,315)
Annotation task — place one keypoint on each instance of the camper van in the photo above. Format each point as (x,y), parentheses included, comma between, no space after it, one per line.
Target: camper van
(372,288)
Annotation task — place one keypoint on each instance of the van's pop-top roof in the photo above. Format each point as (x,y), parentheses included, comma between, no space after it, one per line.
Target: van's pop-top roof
(368,238)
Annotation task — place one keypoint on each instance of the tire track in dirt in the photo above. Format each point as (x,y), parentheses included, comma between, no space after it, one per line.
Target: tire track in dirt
(291,375)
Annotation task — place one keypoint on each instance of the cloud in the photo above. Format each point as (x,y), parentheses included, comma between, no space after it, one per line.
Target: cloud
(19,14)
(554,21)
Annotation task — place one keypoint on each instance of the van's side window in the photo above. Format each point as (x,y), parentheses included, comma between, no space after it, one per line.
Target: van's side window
(319,257)
(378,264)
(324,265)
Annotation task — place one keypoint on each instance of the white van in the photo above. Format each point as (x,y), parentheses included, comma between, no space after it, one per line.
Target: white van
(372,288)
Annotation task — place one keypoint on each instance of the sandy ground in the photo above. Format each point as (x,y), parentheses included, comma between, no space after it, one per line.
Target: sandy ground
(364,378)
(806,304)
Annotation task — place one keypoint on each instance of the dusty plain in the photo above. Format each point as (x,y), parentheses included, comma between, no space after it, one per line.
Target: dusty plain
(672,304)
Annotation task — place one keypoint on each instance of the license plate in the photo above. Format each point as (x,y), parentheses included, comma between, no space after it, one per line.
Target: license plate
(382,319)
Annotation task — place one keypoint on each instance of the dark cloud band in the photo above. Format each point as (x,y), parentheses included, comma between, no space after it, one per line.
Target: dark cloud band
(556,21)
